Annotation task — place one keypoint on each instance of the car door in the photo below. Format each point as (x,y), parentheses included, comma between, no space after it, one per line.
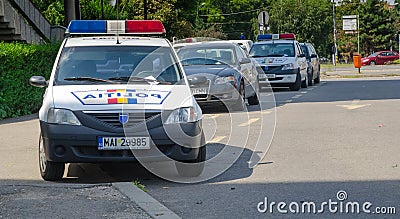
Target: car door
(314,59)
(300,56)
(246,69)
(381,58)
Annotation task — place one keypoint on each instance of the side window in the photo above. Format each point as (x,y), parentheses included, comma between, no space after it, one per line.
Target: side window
(298,50)
(239,53)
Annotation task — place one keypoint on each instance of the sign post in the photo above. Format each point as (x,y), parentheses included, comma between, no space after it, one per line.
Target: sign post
(263,19)
(351,25)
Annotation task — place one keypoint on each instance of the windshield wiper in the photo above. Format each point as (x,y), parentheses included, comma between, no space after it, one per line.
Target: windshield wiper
(138,79)
(88,79)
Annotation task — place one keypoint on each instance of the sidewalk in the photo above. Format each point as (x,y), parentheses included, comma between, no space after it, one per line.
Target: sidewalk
(58,200)
(365,71)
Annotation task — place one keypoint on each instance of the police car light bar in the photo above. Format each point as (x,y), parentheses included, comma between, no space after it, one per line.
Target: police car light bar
(116,26)
(282,36)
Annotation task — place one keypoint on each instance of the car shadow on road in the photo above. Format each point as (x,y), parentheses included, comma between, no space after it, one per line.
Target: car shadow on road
(128,172)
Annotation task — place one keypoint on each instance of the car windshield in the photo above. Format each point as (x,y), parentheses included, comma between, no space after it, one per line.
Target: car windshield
(112,64)
(373,54)
(272,50)
(206,56)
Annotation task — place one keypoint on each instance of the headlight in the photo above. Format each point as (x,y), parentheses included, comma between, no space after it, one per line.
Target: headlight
(222,80)
(62,116)
(288,66)
(183,115)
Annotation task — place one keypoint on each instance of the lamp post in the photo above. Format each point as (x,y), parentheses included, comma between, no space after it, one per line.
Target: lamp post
(197,12)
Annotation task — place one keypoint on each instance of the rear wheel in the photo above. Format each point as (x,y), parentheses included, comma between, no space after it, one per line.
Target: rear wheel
(50,171)
(297,84)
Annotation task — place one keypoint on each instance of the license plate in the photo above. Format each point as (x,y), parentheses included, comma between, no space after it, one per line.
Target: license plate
(271,76)
(199,90)
(123,143)
(262,76)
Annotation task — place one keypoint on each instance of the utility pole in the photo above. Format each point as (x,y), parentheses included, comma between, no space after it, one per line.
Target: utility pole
(145,9)
(334,35)
(69,11)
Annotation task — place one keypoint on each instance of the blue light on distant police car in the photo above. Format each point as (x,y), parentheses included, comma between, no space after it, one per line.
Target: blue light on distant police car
(88,26)
(264,37)
(281,36)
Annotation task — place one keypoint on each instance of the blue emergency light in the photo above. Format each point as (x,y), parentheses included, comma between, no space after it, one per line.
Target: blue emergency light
(282,36)
(116,26)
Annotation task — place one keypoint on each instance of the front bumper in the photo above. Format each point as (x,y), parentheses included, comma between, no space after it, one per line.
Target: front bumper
(217,93)
(78,144)
(281,77)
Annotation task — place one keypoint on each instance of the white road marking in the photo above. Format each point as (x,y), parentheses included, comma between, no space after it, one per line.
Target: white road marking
(297,96)
(288,101)
(304,92)
(249,122)
(216,139)
(354,105)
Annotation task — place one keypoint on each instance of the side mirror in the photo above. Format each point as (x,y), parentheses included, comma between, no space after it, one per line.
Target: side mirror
(313,56)
(301,55)
(38,81)
(245,61)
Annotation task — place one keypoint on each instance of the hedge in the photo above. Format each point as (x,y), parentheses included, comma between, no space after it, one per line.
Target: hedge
(18,62)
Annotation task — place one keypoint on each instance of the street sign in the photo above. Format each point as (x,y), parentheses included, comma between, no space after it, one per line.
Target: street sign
(350,22)
(263,18)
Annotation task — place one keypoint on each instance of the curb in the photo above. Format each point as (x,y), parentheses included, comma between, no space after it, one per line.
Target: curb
(147,203)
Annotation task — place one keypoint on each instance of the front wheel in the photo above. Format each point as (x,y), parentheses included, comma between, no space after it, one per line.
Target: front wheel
(297,84)
(372,63)
(310,78)
(304,84)
(193,168)
(318,78)
(240,104)
(50,171)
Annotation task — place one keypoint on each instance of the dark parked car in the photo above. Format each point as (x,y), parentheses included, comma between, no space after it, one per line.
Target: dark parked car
(220,72)
(313,64)
(380,58)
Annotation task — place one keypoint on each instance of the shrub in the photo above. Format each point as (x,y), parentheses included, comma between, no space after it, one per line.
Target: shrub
(18,62)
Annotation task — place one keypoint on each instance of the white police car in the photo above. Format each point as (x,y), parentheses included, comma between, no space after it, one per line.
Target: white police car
(112,93)
(282,61)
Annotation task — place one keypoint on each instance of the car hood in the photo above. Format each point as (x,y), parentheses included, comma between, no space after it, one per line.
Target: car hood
(274,60)
(118,97)
(206,69)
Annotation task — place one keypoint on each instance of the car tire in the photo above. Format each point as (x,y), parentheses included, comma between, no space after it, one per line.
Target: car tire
(310,78)
(372,63)
(304,84)
(50,171)
(253,100)
(297,84)
(197,165)
(318,79)
(240,104)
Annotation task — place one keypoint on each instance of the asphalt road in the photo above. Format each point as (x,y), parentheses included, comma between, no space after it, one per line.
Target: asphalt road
(341,135)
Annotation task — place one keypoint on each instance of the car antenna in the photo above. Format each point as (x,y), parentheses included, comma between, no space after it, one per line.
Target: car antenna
(117,24)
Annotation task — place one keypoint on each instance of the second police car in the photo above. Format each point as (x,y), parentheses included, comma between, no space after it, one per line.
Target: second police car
(282,61)
(113,95)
